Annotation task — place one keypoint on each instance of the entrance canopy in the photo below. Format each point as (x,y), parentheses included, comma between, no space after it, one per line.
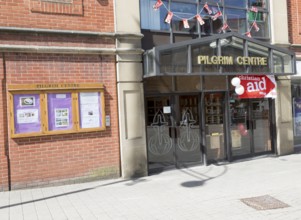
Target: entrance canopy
(222,54)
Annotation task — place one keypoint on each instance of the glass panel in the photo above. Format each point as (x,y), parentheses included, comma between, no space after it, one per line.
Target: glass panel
(183,11)
(258,3)
(174,61)
(282,62)
(296,100)
(239,124)
(153,19)
(151,62)
(27,114)
(205,51)
(215,82)
(60,111)
(233,49)
(214,126)
(188,83)
(214,2)
(236,19)
(236,3)
(260,25)
(206,28)
(158,84)
(188,132)
(159,142)
(261,63)
(261,126)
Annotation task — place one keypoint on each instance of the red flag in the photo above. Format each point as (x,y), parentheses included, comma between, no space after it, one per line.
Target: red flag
(200,20)
(254,9)
(218,14)
(158,4)
(186,24)
(256,26)
(168,17)
(224,27)
(248,34)
(207,9)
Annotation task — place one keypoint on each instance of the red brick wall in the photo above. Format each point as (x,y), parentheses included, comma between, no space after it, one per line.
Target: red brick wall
(42,160)
(94,15)
(70,157)
(294,23)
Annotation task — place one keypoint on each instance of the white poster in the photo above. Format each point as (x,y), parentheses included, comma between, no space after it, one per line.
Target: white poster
(61,117)
(89,109)
(89,97)
(25,116)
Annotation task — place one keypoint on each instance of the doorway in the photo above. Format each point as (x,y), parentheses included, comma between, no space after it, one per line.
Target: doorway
(214,113)
(250,127)
(173,131)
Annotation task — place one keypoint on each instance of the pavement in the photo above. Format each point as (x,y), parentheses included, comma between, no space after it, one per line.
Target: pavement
(261,188)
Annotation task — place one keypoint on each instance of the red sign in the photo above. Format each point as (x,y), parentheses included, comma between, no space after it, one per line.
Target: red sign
(257,86)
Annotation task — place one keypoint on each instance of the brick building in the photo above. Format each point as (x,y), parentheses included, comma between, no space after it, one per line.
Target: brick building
(77,105)
(59,48)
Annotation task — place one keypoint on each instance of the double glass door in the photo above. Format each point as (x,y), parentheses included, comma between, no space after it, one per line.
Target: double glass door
(173,131)
(250,127)
(188,129)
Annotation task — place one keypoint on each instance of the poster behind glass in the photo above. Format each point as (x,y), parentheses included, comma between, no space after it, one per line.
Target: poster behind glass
(27,116)
(59,111)
(90,110)
(297,116)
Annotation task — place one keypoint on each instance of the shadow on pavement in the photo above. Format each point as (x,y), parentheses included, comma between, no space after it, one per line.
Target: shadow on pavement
(202,178)
(129,182)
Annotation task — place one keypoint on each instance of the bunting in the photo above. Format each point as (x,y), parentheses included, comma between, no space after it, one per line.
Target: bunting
(213,15)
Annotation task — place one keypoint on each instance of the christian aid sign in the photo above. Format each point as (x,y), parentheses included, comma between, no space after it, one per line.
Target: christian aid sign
(256,86)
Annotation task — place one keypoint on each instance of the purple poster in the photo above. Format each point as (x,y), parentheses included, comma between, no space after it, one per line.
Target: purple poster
(59,111)
(90,110)
(27,113)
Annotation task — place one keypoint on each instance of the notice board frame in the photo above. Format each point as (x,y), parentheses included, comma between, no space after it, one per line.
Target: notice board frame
(29,109)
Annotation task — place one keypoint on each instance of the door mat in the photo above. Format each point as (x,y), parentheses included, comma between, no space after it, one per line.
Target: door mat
(265,202)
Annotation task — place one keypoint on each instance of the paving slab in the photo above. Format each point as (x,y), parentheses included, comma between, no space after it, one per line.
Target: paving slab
(214,192)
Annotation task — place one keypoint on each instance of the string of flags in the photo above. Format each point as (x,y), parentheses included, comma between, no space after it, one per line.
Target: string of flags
(209,11)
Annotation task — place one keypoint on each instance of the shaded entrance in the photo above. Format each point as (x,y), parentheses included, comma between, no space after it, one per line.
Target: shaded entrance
(251,128)
(173,131)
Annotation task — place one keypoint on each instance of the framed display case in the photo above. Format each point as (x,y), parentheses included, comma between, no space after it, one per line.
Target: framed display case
(46,109)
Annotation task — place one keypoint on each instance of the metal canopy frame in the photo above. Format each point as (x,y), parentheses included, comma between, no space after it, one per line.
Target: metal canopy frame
(219,43)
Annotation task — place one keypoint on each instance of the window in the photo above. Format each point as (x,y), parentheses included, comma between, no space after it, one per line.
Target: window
(242,16)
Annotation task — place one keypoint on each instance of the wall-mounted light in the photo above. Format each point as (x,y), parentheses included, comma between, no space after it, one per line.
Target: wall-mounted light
(223,42)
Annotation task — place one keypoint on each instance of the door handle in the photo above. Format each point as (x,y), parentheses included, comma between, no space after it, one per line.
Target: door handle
(173,132)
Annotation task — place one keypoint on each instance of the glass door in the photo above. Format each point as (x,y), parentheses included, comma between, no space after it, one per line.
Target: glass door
(187,138)
(214,126)
(250,127)
(160,146)
(173,131)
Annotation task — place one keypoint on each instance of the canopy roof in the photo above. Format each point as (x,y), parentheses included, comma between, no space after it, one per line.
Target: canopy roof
(221,54)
